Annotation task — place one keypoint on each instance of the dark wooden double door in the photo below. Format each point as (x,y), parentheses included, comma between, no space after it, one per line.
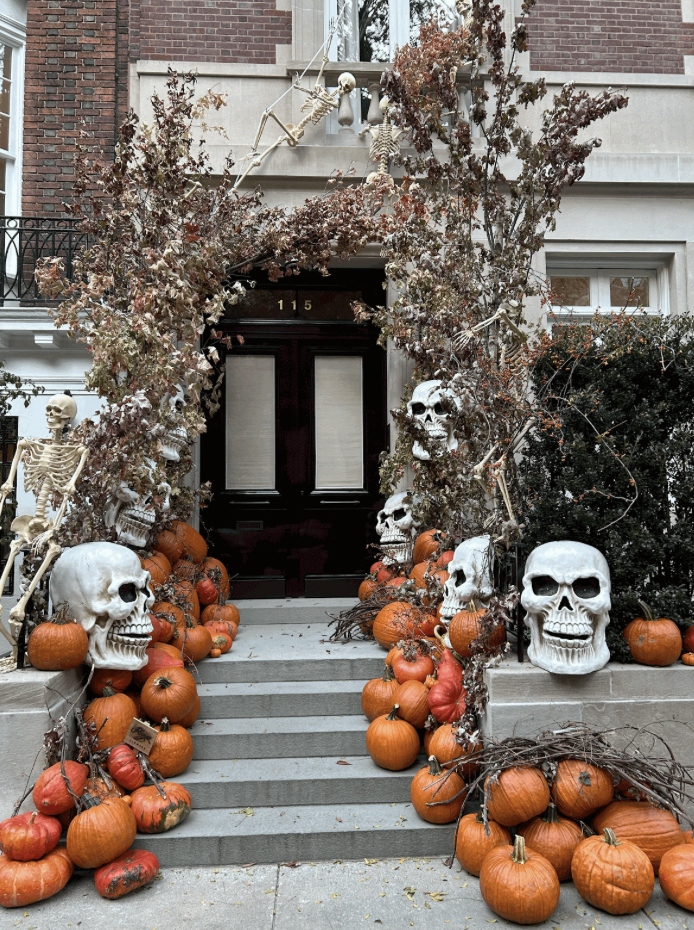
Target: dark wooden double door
(293,452)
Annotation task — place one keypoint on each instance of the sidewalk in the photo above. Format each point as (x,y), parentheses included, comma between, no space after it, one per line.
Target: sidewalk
(385,894)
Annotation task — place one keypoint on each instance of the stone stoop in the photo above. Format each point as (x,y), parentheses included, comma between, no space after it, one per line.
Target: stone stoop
(280,771)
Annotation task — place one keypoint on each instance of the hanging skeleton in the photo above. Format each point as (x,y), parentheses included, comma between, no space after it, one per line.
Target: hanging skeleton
(384,142)
(51,466)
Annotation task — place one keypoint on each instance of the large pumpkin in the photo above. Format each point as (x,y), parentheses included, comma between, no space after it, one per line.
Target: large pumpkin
(447,699)
(170,545)
(519,795)
(445,792)
(156,814)
(132,870)
(29,836)
(197,641)
(158,566)
(125,767)
(104,830)
(58,644)
(415,666)
(653,642)
(394,622)
(172,751)
(555,838)
(157,659)
(23,883)
(474,841)
(428,545)
(168,693)
(111,715)
(653,830)
(519,884)
(465,627)
(193,543)
(377,694)
(580,789)
(446,748)
(676,875)
(391,742)
(119,680)
(412,698)
(615,876)
(51,795)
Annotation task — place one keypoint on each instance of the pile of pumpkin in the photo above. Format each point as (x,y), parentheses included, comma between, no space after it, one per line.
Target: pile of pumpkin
(429,565)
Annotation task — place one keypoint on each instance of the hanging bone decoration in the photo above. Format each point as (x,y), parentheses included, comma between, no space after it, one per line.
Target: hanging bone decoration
(397,529)
(384,141)
(511,337)
(51,467)
(428,408)
(566,593)
(470,577)
(133,514)
(108,592)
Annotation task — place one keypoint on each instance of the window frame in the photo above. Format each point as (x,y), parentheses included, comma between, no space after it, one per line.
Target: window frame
(600,272)
(13,35)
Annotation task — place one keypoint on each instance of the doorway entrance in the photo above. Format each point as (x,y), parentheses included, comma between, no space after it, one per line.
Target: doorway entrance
(293,452)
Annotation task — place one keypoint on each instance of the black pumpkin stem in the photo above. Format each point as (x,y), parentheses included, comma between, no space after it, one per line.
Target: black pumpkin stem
(388,674)
(393,714)
(550,815)
(434,767)
(165,726)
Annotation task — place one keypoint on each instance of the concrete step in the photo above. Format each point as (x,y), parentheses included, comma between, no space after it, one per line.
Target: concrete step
(282,652)
(280,737)
(295,610)
(217,784)
(279,699)
(304,833)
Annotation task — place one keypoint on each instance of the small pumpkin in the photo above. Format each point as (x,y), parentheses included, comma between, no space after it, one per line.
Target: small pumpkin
(158,566)
(377,694)
(119,680)
(213,582)
(104,830)
(123,764)
(168,693)
(474,841)
(133,869)
(156,814)
(413,699)
(193,543)
(29,836)
(59,643)
(580,789)
(23,883)
(653,830)
(465,627)
(222,626)
(172,751)
(51,795)
(102,787)
(170,616)
(518,795)
(197,641)
(169,545)
(391,742)
(653,642)
(111,715)
(676,875)
(432,786)
(221,644)
(447,749)
(428,545)
(192,714)
(366,589)
(555,838)
(416,667)
(688,658)
(519,884)
(446,699)
(615,876)
(226,613)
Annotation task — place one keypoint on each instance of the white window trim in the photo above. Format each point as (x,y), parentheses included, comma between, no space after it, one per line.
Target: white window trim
(13,33)
(600,271)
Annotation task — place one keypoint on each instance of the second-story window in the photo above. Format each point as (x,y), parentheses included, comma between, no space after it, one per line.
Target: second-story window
(11,104)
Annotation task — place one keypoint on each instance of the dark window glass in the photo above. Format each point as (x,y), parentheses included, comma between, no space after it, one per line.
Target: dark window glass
(570,291)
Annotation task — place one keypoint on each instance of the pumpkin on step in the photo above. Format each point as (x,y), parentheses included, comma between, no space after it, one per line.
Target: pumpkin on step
(168,693)
(51,795)
(23,883)
(392,743)
(555,838)
(377,694)
(125,768)
(443,791)
(519,884)
(676,875)
(172,751)
(412,697)
(650,828)
(193,543)
(118,680)
(197,641)
(158,567)
(104,830)
(58,644)
(192,714)
(518,795)
(156,814)
(111,715)
(653,642)
(581,789)
(475,840)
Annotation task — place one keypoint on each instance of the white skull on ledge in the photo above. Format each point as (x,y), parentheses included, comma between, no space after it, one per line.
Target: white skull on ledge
(566,592)
(471,577)
(396,527)
(108,592)
(428,409)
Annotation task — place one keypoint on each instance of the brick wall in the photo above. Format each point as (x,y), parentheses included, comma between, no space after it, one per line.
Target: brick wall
(76,73)
(218,30)
(609,35)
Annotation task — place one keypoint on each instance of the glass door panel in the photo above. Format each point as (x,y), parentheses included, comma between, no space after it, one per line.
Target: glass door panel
(339,422)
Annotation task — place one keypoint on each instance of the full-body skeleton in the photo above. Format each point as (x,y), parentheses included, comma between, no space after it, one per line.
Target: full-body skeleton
(51,466)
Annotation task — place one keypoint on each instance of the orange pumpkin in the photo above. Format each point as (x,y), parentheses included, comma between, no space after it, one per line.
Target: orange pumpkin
(197,641)
(395,622)
(221,626)
(653,830)
(104,830)
(132,870)
(157,659)
(213,582)
(553,837)
(391,742)
(125,767)
(519,794)
(158,567)
(193,543)
(580,789)
(185,595)
(676,875)
(465,627)
(226,613)
(51,795)
(377,694)
(519,884)
(366,589)
(118,680)
(444,791)
(416,668)
(156,814)
(615,876)
(111,715)
(192,714)
(29,836)
(172,751)
(428,545)
(653,642)
(169,545)
(446,749)
(168,693)
(412,697)
(23,883)
(221,644)
(688,658)
(474,841)
(58,644)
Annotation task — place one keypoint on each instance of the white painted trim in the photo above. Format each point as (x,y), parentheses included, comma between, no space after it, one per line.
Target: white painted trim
(688,11)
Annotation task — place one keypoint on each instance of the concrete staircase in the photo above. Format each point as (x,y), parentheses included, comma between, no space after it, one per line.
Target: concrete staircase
(280,771)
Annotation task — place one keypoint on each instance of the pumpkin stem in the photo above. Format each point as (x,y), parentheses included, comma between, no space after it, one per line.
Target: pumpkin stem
(550,815)
(610,837)
(518,854)
(165,726)
(393,714)
(162,682)
(32,818)
(434,767)
(90,800)
(647,612)
(108,691)
(388,674)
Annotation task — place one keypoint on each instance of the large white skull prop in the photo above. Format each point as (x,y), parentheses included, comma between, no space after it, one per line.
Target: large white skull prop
(134,515)
(397,529)
(108,592)
(60,410)
(428,409)
(566,592)
(471,576)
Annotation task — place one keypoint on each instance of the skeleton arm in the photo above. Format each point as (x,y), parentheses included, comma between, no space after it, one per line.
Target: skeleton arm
(7,488)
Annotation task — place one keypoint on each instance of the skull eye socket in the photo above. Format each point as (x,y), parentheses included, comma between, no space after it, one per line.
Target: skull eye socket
(586,587)
(418,409)
(381,516)
(399,513)
(127,593)
(544,586)
(459,578)
(438,409)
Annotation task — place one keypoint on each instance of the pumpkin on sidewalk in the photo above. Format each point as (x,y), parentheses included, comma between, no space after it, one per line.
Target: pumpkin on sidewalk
(23,883)
(133,869)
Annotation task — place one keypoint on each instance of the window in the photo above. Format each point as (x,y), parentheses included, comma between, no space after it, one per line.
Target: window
(12,43)
(583,290)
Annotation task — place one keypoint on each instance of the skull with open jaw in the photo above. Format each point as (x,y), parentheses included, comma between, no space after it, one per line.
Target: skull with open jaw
(470,577)
(397,529)
(566,593)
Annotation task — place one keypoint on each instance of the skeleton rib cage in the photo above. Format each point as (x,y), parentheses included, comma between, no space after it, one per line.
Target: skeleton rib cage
(49,463)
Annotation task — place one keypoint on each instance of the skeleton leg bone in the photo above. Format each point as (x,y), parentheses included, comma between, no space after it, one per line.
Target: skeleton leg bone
(17,612)
(15,546)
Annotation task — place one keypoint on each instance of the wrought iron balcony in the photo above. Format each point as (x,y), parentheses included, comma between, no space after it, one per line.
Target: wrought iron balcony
(26,239)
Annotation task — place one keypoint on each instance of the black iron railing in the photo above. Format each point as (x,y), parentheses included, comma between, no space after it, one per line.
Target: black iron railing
(26,239)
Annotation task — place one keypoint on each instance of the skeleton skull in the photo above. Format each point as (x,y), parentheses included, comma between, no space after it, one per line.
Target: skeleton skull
(471,577)
(397,529)
(173,437)
(566,592)
(60,410)
(428,409)
(346,83)
(108,593)
(134,515)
